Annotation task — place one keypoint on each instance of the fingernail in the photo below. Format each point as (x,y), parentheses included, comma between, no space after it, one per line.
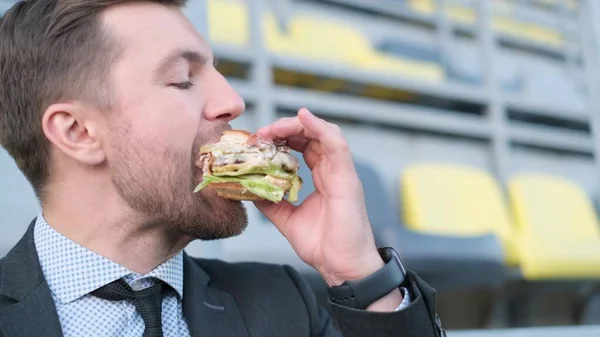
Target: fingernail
(308,112)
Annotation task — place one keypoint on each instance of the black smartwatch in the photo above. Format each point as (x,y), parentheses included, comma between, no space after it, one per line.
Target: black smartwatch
(359,294)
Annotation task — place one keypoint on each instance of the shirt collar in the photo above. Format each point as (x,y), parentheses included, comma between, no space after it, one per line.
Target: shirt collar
(73,271)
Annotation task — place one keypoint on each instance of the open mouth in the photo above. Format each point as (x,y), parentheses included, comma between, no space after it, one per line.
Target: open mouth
(200,168)
(198,176)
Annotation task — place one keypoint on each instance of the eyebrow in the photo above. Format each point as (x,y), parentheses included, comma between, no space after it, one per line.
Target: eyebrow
(191,56)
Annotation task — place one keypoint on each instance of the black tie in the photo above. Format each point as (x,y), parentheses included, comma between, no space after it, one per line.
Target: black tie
(148,302)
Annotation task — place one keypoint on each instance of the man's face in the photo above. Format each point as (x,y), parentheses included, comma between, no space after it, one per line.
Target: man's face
(169,99)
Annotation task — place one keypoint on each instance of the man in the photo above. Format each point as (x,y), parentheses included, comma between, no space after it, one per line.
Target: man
(104,106)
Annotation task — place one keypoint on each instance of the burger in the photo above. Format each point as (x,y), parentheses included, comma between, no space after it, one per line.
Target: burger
(245,166)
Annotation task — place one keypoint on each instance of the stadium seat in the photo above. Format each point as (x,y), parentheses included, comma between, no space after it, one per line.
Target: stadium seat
(445,261)
(550,4)
(228,22)
(502,24)
(422,6)
(526,30)
(455,12)
(457,201)
(460,64)
(461,14)
(317,39)
(313,38)
(559,237)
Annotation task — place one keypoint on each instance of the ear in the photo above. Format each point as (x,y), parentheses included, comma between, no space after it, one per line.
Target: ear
(74,131)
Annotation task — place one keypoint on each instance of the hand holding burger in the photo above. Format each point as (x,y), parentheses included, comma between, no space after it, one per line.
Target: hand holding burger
(330,230)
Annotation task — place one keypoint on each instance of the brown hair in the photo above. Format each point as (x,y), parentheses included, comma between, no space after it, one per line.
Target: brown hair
(51,50)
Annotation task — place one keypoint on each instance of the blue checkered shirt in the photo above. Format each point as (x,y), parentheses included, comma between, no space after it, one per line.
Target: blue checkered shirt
(73,271)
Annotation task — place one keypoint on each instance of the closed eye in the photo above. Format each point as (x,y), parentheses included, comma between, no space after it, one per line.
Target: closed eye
(183,85)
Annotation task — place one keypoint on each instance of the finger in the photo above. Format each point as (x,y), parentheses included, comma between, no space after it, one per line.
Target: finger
(298,143)
(289,127)
(312,154)
(306,128)
(265,131)
(311,149)
(277,213)
(329,135)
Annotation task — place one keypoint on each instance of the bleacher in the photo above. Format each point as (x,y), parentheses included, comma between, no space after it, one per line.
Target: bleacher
(475,132)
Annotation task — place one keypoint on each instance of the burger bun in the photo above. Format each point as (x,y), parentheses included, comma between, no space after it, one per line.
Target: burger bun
(234,191)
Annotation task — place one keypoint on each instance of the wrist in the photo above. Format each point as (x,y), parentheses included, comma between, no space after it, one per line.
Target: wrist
(373,285)
(388,303)
(355,271)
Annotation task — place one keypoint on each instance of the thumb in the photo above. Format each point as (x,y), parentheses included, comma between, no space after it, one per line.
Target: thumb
(277,213)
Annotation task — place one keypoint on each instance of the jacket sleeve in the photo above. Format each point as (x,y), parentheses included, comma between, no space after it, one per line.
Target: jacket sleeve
(418,319)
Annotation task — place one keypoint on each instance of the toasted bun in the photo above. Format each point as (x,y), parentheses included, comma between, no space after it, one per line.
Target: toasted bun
(234,191)
(235,136)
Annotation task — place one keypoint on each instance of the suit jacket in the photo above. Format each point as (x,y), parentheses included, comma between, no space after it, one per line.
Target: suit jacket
(220,300)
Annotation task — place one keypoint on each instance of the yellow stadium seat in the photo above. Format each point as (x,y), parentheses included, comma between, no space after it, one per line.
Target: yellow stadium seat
(456,13)
(422,6)
(528,30)
(317,39)
(461,14)
(449,199)
(228,22)
(503,24)
(313,38)
(426,71)
(559,234)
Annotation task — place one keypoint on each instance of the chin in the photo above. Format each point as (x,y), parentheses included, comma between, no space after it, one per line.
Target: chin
(215,218)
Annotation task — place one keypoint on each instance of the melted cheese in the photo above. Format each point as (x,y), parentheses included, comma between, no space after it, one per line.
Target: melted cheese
(242,148)
(285,160)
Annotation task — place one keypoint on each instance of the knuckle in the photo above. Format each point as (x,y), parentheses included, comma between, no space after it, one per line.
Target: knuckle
(342,145)
(335,128)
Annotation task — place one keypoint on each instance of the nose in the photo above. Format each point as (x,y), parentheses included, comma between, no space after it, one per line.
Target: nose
(224,103)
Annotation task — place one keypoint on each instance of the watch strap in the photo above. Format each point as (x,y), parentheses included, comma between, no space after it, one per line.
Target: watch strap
(361,293)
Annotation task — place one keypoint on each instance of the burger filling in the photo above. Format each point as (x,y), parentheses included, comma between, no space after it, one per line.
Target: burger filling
(265,169)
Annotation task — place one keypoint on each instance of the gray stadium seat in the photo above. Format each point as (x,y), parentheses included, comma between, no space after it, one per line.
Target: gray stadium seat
(443,261)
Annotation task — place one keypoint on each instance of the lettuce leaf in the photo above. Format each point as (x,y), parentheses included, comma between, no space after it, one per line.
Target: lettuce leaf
(293,192)
(256,184)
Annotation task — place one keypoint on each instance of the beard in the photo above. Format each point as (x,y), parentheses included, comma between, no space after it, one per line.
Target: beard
(157,183)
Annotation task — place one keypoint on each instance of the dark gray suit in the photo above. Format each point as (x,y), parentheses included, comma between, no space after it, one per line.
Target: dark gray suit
(220,300)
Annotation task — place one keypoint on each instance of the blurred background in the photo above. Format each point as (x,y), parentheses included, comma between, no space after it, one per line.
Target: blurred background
(475,129)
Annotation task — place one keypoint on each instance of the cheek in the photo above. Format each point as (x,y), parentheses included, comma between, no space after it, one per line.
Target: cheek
(173,122)
(158,115)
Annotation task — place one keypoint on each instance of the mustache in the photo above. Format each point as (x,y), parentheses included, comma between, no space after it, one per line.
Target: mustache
(211,136)
(216,132)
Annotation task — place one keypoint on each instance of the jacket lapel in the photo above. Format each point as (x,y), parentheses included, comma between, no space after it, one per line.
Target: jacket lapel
(32,312)
(208,311)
